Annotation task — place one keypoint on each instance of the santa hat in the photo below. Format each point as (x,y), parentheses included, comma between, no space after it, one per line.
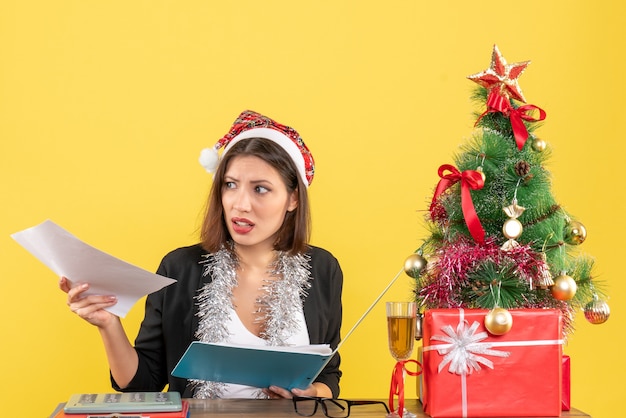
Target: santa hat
(250,124)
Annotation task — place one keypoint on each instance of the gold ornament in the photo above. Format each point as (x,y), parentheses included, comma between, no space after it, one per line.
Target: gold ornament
(419,326)
(539,145)
(482,173)
(545,277)
(575,233)
(414,264)
(597,311)
(498,321)
(512,228)
(564,287)
(431,265)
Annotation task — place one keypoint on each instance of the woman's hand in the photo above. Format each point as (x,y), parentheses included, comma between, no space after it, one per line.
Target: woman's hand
(315,390)
(91,307)
(123,360)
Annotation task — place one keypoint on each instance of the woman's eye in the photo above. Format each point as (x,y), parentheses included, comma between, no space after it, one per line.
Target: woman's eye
(229,184)
(261,189)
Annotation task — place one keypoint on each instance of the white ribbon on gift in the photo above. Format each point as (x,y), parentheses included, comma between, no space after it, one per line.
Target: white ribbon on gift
(464,351)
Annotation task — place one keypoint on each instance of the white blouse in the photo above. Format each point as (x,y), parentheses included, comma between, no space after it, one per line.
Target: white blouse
(241,335)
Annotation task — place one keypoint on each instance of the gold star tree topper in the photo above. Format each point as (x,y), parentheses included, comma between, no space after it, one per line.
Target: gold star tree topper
(502,76)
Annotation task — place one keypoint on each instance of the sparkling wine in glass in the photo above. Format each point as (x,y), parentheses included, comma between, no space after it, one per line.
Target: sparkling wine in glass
(401,323)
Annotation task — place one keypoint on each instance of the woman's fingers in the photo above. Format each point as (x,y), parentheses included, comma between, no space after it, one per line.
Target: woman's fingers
(73,294)
(309,391)
(64,284)
(275,392)
(89,307)
(94,302)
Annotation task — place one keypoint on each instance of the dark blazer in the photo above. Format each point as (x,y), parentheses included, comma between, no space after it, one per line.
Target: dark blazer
(170,319)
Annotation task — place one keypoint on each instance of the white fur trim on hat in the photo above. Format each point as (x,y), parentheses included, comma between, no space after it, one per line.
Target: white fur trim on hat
(279,138)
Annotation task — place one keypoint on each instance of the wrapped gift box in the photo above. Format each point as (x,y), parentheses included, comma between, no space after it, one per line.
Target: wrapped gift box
(471,373)
(566,397)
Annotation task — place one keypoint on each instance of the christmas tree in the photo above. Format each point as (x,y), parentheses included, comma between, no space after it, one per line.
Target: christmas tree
(498,238)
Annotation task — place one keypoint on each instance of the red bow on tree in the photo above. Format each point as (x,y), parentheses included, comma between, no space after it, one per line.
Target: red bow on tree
(470,179)
(498,103)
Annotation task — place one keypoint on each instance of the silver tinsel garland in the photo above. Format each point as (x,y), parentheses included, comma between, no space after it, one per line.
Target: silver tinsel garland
(282,301)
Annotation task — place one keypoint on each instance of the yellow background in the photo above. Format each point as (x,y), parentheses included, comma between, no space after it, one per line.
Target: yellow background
(105,105)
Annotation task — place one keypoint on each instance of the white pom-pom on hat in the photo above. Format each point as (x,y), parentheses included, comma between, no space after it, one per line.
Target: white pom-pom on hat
(209,159)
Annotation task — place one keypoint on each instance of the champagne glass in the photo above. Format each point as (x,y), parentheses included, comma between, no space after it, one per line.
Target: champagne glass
(401,322)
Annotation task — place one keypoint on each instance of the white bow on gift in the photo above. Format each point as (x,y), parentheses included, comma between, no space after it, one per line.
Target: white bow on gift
(464,350)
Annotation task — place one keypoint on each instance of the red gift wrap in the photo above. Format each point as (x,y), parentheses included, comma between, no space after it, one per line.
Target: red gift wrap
(468,372)
(567,391)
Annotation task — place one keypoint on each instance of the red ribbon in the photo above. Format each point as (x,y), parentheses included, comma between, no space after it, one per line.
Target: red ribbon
(498,103)
(470,179)
(397,383)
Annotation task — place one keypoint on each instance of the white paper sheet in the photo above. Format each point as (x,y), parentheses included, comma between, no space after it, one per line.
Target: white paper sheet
(68,256)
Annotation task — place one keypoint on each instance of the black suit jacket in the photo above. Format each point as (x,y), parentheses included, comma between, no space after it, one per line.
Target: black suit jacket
(170,319)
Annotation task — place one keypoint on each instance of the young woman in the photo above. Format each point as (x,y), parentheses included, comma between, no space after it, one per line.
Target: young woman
(253,278)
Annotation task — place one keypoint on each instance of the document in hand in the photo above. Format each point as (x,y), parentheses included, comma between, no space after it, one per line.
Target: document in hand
(257,366)
(68,256)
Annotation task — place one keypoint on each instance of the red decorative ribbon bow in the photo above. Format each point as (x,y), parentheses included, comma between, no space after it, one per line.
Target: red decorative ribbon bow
(470,179)
(397,383)
(498,103)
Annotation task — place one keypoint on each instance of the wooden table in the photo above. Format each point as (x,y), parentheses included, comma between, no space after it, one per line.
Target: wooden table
(278,408)
(231,408)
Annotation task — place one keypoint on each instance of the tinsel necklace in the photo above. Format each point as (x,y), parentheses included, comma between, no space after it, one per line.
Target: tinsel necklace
(282,300)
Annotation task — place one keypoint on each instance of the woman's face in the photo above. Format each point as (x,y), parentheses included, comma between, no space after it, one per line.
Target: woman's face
(255,200)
